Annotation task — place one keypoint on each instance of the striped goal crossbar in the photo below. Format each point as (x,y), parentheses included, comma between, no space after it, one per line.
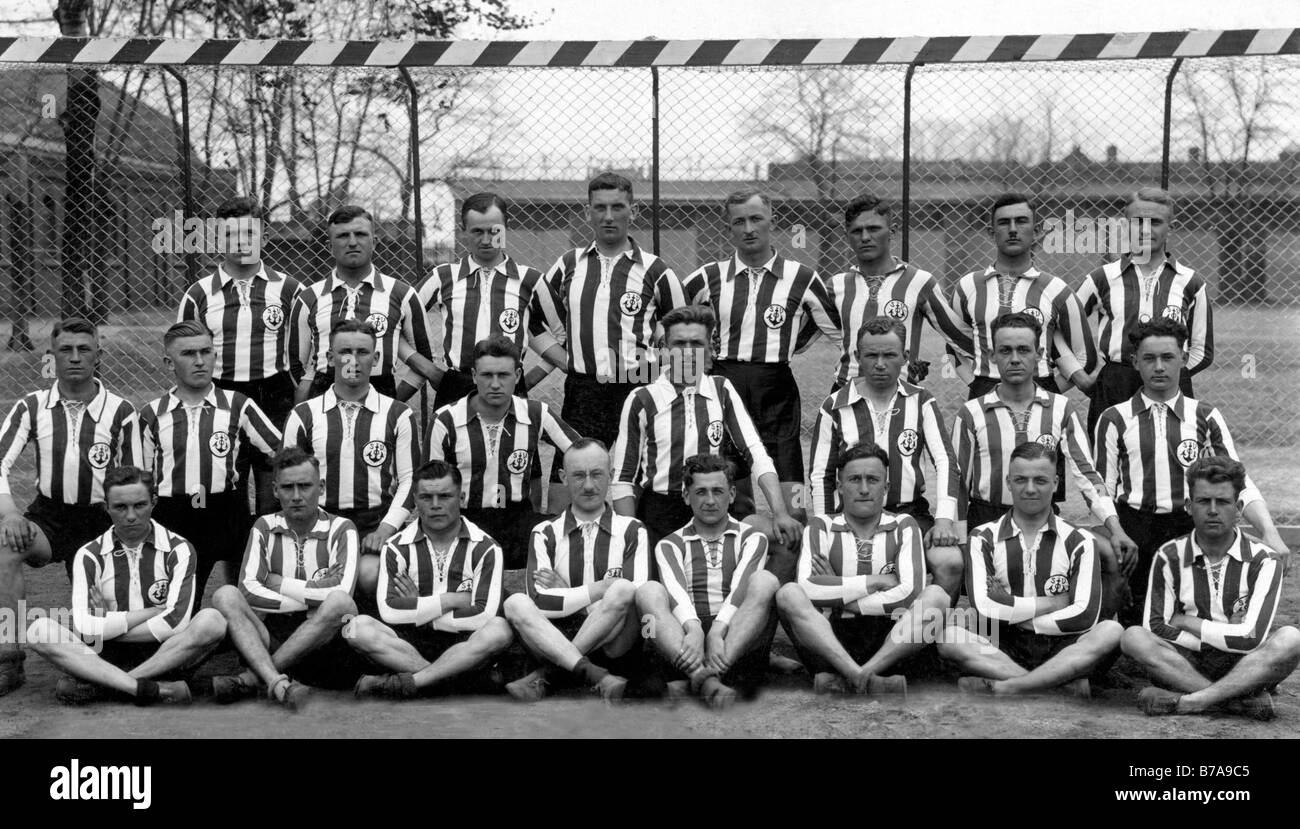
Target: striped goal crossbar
(633,53)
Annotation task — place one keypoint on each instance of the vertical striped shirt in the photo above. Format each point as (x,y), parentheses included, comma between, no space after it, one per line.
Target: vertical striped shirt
(611,306)
(1117,299)
(765,314)
(912,426)
(160,573)
(1143,452)
(390,306)
(1236,606)
(70,457)
(979,298)
(471,564)
(707,579)
(986,432)
(496,459)
(662,425)
(907,294)
(1059,560)
(197,450)
(368,460)
(308,566)
(583,553)
(895,549)
(247,319)
(476,303)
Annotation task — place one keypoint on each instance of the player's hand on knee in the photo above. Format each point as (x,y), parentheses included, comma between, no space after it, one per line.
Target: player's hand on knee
(942,534)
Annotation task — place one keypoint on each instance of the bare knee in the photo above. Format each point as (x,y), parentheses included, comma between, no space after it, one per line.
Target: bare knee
(208,626)
(1285,643)
(1106,635)
(790,599)
(361,632)
(519,607)
(934,596)
(44,632)
(650,594)
(228,599)
(1136,641)
(496,635)
(337,604)
(762,587)
(621,593)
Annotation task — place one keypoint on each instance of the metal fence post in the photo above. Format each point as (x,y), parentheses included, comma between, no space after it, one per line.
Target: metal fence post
(1164,140)
(654,160)
(413,102)
(187,180)
(907,159)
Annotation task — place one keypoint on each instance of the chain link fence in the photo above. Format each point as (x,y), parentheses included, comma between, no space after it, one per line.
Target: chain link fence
(101,166)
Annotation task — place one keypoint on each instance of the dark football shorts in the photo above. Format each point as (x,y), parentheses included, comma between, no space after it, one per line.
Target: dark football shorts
(335,664)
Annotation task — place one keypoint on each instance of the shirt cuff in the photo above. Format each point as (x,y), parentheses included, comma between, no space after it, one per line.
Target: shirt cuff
(395,517)
(542,342)
(724,615)
(947,508)
(684,613)
(293,589)
(617,490)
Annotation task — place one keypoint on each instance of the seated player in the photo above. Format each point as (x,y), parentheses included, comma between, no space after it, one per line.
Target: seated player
(1205,636)
(710,612)
(285,617)
(1039,580)
(858,606)
(440,590)
(132,598)
(584,566)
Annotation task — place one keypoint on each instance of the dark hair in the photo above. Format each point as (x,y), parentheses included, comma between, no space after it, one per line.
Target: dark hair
(1217,469)
(73,325)
(237,207)
(347,213)
(690,315)
(704,464)
(436,470)
(1156,195)
(497,345)
(883,325)
(185,328)
(1018,319)
(609,181)
(585,443)
(864,204)
(353,326)
(482,203)
(861,451)
(1007,199)
(1032,450)
(126,476)
(743,195)
(291,456)
(1158,327)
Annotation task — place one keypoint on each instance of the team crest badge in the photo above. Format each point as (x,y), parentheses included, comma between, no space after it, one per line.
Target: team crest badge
(518,461)
(509,320)
(631,303)
(1047,442)
(98,455)
(158,592)
(889,569)
(1034,312)
(614,573)
(467,586)
(1173,312)
(774,316)
(1144,317)
(375,453)
(219,444)
(907,442)
(379,322)
(273,317)
(714,433)
(1240,605)
(1188,451)
(896,309)
(320,574)
(1056,585)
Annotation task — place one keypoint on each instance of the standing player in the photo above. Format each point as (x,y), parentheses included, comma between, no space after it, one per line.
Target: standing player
(879,407)
(191,439)
(1136,288)
(1012,284)
(366,443)
(80,429)
(485,294)
(1206,631)
(246,304)
(859,605)
(768,308)
(356,290)
(1145,444)
(287,613)
(132,600)
(609,295)
(440,588)
(492,437)
(584,566)
(1039,580)
(712,608)
(880,284)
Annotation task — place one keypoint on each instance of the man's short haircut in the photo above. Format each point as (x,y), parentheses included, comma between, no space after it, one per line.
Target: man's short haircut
(1158,327)
(73,325)
(878,326)
(436,470)
(1007,199)
(1017,319)
(185,328)
(1157,195)
(609,181)
(347,213)
(482,203)
(587,443)
(1032,450)
(127,476)
(290,457)
(690,315)
(353,326)
(1216,469)
(705,464)
(237,207)
(866,203)
(743,195)
(861,451)
(497,345)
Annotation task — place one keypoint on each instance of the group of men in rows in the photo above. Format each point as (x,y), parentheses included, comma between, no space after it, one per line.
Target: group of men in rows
(656,534)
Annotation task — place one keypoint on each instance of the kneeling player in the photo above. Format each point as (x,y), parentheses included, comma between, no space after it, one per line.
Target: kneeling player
(1199,654)
(440,588)
(710,612)
(300,566)
(583,569)
(866,568)
(132,594)
(1039,579)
